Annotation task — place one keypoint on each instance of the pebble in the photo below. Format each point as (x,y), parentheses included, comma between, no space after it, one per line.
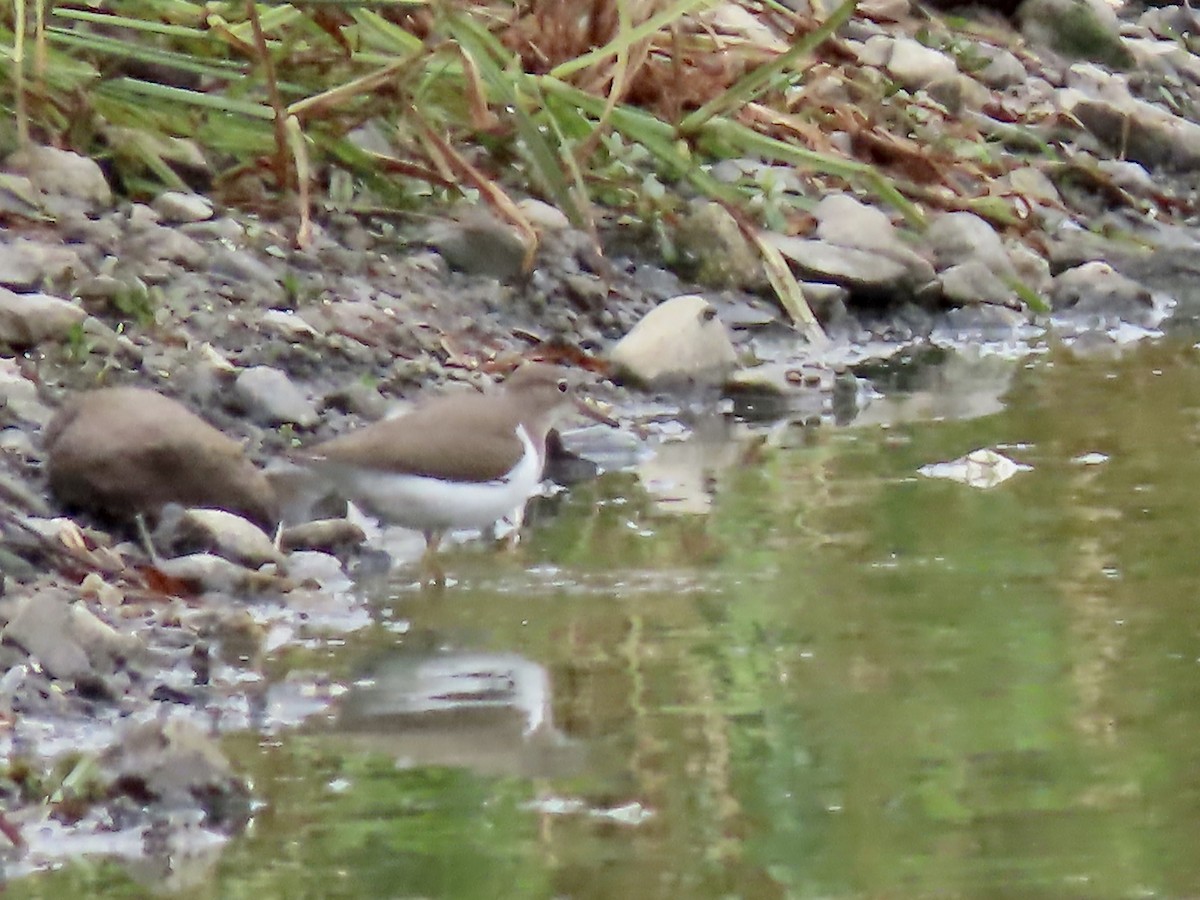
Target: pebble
(178,207)
(26,320)
(269,396)
(67,181)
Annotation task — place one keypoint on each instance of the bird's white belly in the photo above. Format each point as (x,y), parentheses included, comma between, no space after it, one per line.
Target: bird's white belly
(424,503)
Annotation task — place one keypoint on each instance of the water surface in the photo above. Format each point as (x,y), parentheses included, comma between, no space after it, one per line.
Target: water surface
(834,678)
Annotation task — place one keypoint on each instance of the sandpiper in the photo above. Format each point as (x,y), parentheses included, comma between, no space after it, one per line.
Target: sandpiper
(464,460)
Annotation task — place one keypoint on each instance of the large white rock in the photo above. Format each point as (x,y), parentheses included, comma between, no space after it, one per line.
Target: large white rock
(680,342)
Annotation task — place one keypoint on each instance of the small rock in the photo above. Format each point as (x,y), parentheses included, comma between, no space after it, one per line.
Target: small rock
(1097,288)
(269,396)
(142,218)
(1031,269)
(26,320)
(914,65)
(1128,175)
(884,10)
(168,244)
(67,640)
(1140,131)
(19,197)
(180,208)
(974,282)
(479,244)
(104,234)
(246,271)
(959,92)
(18,269)
(1003,70)
(543,216)
(68,181)
(328,535)
(960,237)
(1032,184)
(286,324)
(105,288)
(189,530)
(209,573)
(122,451)
(19,395)
(680,342)
(713,249)
(1078,29)
(860,271)
(224,229)
(986,321)
(847,222)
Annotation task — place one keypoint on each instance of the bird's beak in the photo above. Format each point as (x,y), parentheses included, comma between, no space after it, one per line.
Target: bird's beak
(595,411)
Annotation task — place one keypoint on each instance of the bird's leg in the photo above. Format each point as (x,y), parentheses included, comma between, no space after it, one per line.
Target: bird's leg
(517,519)
(436,576)
(433,539)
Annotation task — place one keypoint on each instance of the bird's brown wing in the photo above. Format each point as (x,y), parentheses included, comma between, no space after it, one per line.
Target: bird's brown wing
(467,438)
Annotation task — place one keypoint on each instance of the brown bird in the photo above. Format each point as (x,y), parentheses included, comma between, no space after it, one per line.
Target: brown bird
(456,461)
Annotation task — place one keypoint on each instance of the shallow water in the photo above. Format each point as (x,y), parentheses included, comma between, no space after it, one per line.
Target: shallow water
(833,677)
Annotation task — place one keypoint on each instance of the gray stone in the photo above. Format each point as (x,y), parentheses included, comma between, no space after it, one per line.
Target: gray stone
(847,222)
(105,288)
(286,324)
(27,320)
(679,343)
(857,270)
(19,396)
(269,396)
(328,535)
(1096,288)
(58,263)
(178,207)
(959,92)
(1138,130)
(1032,269)
(1032,184)
(1077,29)
(960,237)
(714,250)
(66,638)
(1128,175)
(18,268)
(105,234)
(67,180)
(122,451)
(915,66)
(40,627)
(884,10)
(479,244)
(223,229)
(1003,70)
(245,271)
(974,282)
(19,197)
(982,320)
(167,244)
(142,218)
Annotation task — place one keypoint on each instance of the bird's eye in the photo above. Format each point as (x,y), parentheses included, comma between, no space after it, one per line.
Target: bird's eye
(562,385)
